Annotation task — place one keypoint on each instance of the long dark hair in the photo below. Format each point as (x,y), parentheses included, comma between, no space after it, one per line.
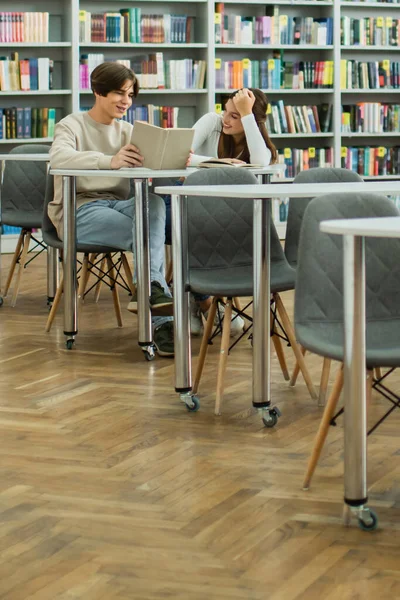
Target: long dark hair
(226,145)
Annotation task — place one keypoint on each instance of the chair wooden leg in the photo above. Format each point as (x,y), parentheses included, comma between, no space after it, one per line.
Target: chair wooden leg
(111,276)
(83,279)
(378,373)
(168,264)
(97,289)
(292,339)
(21,266)
(296,369)
(226,331)
(281,356)
(323,427)
(204,344)
(14,261)
(236,303)
(55,304)
(326,367)
(128,272)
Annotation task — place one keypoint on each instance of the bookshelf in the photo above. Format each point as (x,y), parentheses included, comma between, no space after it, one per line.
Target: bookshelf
(323,47)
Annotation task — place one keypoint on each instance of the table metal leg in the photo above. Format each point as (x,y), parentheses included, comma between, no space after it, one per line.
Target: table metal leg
(142,235)
(69,260)
(52,273)
(354,365)
(183,367)
(261,311)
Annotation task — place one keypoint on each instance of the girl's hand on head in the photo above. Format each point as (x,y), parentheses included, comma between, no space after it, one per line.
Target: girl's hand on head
(244,101)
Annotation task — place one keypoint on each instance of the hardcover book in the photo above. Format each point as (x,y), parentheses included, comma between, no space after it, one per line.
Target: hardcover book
(162,148)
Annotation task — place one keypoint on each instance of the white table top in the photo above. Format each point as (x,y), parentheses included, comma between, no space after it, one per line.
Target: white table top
(36,157)
(284,190)
(372,227)
(149,173)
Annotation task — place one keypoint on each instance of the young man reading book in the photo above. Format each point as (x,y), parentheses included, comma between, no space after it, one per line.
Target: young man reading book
(98,139)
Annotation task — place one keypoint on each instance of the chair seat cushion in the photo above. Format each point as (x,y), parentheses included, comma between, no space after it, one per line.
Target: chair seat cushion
(238,281)
(22,218)
(326,339)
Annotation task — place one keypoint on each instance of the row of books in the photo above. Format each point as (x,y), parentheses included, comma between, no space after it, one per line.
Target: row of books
(300,159)
(370,31)
(10,230)
(283,118)
(24,27)
(152,71)
(371,75)
(161,116)
(371,117)
(273,73)
(27,122)
(371,160)
(25,74)
(129,25)
(276,29)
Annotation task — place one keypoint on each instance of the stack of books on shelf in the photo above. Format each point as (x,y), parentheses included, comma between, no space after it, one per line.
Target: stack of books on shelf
(371,75)
(129,25)
(152,71)
(371,161)
(268,30)
(301,159)
(26,74)
(27,122)
(24,27)
(283,118)
(369,31)
(371,117)
(273,73)
(161,116)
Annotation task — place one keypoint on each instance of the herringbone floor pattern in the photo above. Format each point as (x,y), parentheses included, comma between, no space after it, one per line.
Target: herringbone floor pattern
(109,489)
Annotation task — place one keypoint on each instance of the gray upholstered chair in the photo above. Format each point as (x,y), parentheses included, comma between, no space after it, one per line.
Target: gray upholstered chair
(220,243)
(295,219)
(103,262)
(319,293)
(22,196)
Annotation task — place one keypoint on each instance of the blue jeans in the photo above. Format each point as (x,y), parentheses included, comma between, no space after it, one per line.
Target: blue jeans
(112,223)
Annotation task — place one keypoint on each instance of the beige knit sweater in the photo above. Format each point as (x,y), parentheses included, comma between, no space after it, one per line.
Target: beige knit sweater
(82,143)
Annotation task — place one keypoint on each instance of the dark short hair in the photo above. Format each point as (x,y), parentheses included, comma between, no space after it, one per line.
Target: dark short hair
(111,76)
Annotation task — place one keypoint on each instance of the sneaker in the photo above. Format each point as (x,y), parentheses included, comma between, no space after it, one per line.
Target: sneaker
(160,303)
(196,320)
(237,322)
(163,337)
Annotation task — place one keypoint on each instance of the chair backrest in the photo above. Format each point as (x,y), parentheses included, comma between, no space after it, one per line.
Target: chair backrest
(319,277)
(24,182)
(49,232)
(297,207)
(220,230)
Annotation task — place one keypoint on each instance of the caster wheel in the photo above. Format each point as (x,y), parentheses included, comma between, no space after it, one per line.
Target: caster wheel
(149,353)
(195,404)
(369,522)
(270,418)
(69,344)
(1,300)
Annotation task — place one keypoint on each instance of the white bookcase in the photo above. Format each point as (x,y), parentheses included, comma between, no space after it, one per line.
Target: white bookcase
(65,49)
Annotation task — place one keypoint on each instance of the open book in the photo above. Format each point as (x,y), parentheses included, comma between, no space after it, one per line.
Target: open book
(162,148)
(214,163)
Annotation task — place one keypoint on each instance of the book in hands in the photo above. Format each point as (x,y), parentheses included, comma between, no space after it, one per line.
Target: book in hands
(162,148)
(214,163)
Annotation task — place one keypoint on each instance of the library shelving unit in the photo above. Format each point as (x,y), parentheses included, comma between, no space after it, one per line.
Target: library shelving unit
(65,49)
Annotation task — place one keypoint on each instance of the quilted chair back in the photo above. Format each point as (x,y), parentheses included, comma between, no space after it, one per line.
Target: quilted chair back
(23,189)
(298,206)
(220,230)
(319,284)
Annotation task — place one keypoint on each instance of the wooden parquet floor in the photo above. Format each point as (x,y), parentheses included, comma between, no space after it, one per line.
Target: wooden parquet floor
(110,489)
